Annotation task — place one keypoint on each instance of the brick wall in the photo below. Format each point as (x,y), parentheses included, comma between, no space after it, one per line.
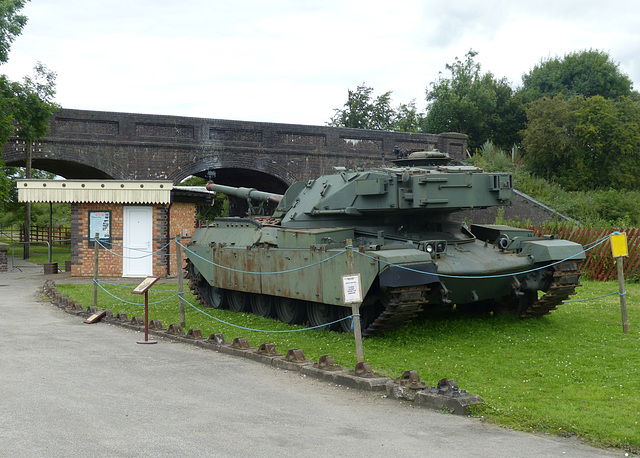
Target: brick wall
(168,221)
(183,218)
(82,256)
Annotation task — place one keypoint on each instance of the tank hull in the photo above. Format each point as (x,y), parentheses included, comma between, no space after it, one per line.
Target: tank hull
(306,266)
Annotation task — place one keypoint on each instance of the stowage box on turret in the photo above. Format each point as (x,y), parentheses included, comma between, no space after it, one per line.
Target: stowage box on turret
(408,251)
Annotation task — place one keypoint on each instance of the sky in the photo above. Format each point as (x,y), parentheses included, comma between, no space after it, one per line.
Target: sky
(293,61)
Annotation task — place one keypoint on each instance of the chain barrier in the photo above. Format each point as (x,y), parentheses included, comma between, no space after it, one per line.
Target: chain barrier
(152,253)
(99,283)
(262,330)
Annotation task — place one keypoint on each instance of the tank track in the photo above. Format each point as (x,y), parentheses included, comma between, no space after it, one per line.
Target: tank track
(565,279)
(195,283)
(403,305)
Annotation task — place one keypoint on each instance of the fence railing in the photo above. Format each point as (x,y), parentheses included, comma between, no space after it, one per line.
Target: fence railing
(59,234)
(600,265)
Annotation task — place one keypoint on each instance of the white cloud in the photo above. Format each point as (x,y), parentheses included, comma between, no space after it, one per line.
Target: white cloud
(293,61)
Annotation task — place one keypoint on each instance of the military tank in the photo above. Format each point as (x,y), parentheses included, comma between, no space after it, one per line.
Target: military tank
(391,225)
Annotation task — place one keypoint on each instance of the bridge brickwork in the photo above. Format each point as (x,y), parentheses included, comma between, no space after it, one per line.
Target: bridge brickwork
(127,146)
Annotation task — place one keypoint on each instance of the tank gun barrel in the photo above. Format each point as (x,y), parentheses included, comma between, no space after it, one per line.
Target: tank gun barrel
(245,193)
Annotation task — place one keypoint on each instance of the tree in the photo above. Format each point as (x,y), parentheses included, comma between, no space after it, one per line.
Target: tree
(547,140)
(585,73)
(407,118)
(11,25)
(583,144)
(361,111)
(32,107)
(473,103)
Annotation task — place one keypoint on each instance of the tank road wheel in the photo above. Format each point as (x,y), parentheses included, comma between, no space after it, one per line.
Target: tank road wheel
(237,301)
(262,305)
(291,311)
(320,314)
(216,297)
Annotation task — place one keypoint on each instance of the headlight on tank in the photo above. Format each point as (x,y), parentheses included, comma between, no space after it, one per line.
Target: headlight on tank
(436,247)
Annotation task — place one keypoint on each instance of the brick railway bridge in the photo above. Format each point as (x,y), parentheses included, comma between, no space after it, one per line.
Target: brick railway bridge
(268,156)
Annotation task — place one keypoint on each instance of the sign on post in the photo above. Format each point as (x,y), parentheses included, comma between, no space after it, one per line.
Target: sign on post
(619,244)
(619,250)
(352,294)
(143,288)
(351,289)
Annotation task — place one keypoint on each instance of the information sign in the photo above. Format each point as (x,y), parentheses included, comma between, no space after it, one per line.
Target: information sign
(619,244)
(351,289)
(99,223)
(145,285)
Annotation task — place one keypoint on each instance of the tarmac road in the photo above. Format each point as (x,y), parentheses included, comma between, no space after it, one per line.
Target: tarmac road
(72,389)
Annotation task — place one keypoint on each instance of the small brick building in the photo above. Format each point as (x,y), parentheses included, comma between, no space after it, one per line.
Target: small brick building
(136,222)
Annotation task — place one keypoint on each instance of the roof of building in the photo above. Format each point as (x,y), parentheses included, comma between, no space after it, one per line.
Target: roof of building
(99,191)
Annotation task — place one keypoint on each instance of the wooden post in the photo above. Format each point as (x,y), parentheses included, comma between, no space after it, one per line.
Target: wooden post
(355,309)
(95,269)
(143,288)
(183,319)
(623,294)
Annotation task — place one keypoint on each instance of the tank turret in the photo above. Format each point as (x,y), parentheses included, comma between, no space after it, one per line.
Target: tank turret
(410,190)
(409,251)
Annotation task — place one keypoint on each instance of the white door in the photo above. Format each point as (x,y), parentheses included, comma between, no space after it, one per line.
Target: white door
(137,241)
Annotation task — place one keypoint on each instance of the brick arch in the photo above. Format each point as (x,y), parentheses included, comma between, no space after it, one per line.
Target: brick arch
(77,161)
(246,168)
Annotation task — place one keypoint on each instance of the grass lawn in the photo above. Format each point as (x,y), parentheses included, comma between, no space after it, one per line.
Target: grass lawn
(38,253)
(572,373)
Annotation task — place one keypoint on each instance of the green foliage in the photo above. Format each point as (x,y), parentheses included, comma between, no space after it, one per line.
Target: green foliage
(584,143)
(408,118)
(33,103)
(11,25)
(12,211)
(473,103)
(362,111)
(6,100)
(492,159)
(14,216)
(582,73)
(219,206)
(555,374)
